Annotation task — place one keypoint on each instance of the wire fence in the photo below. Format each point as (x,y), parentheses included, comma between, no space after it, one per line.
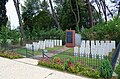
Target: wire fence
(91,60)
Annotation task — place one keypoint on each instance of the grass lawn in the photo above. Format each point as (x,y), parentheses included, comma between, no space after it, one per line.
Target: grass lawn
(84,60)
(55,48)
(22,51)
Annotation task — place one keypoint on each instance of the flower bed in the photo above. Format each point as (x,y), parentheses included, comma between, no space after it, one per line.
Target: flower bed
(70,67)
(11,55)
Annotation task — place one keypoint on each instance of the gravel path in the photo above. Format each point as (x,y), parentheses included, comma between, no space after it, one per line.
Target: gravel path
(18,69)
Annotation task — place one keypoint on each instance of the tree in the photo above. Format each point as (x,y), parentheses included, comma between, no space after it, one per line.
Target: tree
(3,16)
(117,5)
(54,15)
(29,10)
(76,13)
(89,13)
(16,4)
(103,8)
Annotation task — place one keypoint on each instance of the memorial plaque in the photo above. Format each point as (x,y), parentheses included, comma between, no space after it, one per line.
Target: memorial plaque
(70,38)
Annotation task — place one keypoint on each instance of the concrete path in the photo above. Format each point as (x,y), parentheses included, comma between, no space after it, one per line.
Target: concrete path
(16,69)
(52,53)
(27,61)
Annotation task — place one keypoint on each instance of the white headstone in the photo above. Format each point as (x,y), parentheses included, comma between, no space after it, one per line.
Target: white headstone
(113,44)
(82,51)
(52,44)
(57,42)
(60,42)
(97,42)
(101,42)
(75,51)
(87,51)
(87,43)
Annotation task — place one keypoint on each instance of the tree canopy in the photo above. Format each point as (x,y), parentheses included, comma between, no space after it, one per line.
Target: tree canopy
(3,16)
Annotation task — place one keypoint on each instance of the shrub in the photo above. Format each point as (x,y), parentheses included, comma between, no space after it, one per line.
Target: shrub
(91,73)
(78,67)
(49,64)
(109,31)
(11,55)
(56,59)
(106,69)
(68,62)
(117,70)
(72,69)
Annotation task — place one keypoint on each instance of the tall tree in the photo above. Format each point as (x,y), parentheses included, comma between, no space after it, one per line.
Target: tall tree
(77,12)
(29,10)
(3,16)
(16,4)
(54,15)
(89,13)
(117,5)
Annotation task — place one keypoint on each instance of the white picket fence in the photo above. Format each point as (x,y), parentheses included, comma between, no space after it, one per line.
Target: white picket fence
(97,47)
(44,44)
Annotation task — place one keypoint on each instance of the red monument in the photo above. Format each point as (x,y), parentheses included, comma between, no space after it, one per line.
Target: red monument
(70,38)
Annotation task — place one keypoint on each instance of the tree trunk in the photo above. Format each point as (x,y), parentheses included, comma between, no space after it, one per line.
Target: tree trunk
(16,4)
(98,6)
(77,15)
(54,15)
(102,2)
(90,13)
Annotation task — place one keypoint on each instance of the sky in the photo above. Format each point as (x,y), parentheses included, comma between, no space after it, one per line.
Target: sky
(12,15)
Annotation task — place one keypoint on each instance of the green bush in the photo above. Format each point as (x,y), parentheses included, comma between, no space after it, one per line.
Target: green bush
(79,67)
(47,34)
(49,64)
(68,62)
(11,55)
(109,31)
(91,73)
(71,67)
(106,69)
(56,59)
(117,70)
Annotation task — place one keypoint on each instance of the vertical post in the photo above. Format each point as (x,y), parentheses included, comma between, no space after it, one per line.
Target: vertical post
(26,52)
(43,53)
(33,50)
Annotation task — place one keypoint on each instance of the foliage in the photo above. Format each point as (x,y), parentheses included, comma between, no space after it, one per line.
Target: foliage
(91,73)
(42,21)
(29,10)
(8,34)
(56,59)
(66,16)
(11,55)
(70,67)
(15,35)
(68,63)
(48,34)
(117,70)
(103,31)
(3,16)
(51,64)
(106,69)
(4,35)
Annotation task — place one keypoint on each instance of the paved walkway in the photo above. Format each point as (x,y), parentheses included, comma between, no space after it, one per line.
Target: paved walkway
(16,69)
(52,53)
